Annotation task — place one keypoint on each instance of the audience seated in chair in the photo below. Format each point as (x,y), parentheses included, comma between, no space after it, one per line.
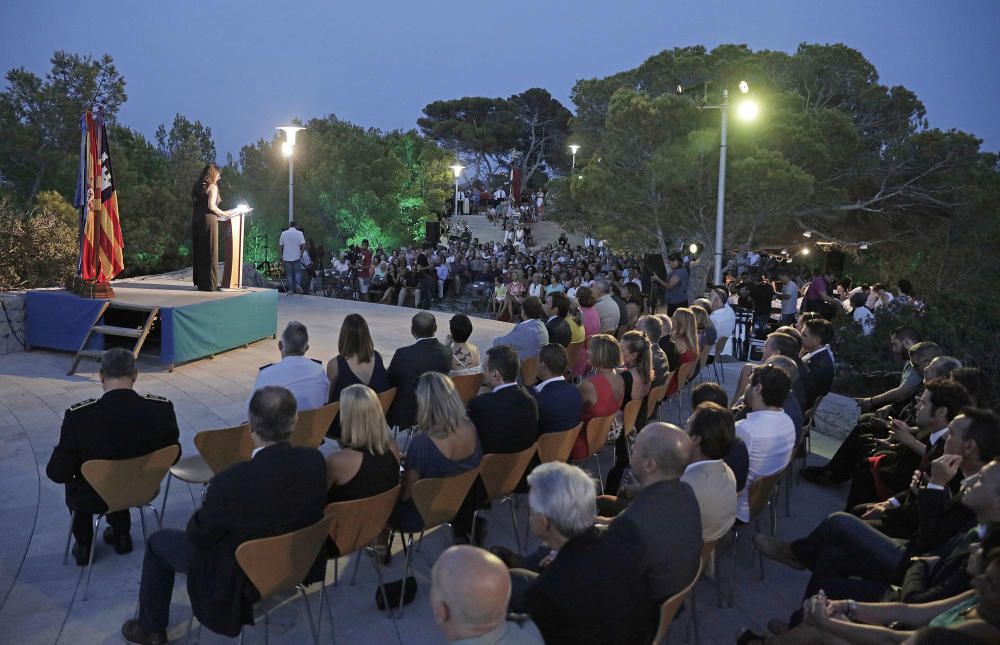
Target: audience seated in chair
(560,404)
(464,355)
(737,457)
(357,361)
(603,392)
(712,431)
(556,308)
(506,418)
(303,377)
(527,336)
(651,326)
(410,363)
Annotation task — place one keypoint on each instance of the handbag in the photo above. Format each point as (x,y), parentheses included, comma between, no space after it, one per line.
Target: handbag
(393,590)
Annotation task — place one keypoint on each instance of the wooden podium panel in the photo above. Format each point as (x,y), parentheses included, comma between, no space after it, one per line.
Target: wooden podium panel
(232,272)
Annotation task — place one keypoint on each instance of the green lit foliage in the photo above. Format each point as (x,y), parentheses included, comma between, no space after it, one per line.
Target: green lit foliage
(38,247)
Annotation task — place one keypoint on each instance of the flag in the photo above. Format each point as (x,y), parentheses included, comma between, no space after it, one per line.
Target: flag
(101,246)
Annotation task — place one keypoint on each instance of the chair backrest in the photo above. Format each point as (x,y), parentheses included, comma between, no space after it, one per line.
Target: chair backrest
(385,398)
(656,395)
(279,563)
(312,425)
(467,385)
(720,345)
(438,499)
(124,483)
(573,356)
(222,448)
(556,446)
(703,358)
(670,607)
(630,414)
(684,373)
(358,522)
(761,490)
(597,432)
(501,473)
(529,371)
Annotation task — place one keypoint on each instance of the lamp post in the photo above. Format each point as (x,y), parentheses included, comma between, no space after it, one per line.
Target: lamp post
(287,148)
(457,169)
(573,148)
(746,110)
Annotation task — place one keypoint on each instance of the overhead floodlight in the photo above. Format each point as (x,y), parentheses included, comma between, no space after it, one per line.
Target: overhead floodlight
(573,148)
(290,131)
(807,234)
(863,246)
(693,248)
(744,87)
(286,149)
(457,169)
(747,110)
(805,251)
(680,90)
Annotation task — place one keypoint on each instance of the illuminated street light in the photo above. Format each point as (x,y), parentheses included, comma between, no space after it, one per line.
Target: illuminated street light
(457,169)
(693,248)
(747,110)
(573,148)
(287,148)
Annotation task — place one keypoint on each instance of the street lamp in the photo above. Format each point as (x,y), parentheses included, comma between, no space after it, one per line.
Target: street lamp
(573,148)
(287,148)
(457,169)
(746,110)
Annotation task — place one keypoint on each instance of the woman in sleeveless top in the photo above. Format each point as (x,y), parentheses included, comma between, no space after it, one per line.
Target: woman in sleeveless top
(591,326)
(445,444)
(637,356)
(464,355)
(603,392)
(205,219)
(356,362)
(684,333)
(368,464)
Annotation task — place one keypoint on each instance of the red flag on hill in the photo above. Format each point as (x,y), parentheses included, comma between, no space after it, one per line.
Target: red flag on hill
(101,244)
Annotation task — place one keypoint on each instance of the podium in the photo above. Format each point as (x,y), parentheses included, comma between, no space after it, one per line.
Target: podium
(232,272)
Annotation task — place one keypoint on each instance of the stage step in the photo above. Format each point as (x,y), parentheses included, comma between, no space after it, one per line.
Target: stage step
(116,331)
(124,305)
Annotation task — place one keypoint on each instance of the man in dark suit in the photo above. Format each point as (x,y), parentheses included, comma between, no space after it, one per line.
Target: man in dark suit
(506,419)
(556,307)
(560,404)
(281,489)
(662,524)
(120,425)
(818,358)
(408,363)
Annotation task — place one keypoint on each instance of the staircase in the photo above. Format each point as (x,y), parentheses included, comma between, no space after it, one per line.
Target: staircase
(542,232)
(138,333)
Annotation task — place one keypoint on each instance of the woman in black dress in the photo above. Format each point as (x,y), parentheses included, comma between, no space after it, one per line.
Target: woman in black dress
(205,230)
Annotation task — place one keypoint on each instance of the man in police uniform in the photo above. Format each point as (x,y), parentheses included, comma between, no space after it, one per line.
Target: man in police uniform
(120,425)
(304,377)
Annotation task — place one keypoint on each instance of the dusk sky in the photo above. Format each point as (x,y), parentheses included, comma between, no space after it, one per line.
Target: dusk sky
(242,68)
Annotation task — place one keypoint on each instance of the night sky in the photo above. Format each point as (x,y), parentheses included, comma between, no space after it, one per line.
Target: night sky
(242,67)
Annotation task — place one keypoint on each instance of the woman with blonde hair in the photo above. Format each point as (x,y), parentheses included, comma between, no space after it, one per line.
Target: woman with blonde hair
(706,330)
(685,337)
(445,444)
(368,463)
(603,392)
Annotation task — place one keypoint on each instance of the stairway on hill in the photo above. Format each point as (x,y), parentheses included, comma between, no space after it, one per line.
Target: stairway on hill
(542,232)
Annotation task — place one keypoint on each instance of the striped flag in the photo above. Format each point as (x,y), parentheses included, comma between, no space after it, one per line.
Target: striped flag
(101,244)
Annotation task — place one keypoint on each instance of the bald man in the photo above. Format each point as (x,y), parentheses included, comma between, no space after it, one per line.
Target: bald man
(470,589)
(662,525)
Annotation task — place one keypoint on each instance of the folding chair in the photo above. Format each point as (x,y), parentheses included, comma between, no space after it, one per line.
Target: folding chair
(312,425)
(501,473)
(556,446)
(597,436)
(529,371)
(217,450)
(669,608)
(467,385)
(720,345)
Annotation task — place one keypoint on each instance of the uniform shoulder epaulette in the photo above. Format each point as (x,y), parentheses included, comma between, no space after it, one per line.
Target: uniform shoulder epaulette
(316,360)
(264,367)
(156,397)
(82,404)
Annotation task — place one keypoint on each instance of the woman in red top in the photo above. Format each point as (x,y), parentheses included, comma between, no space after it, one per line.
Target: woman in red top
(602,393)
(684,333)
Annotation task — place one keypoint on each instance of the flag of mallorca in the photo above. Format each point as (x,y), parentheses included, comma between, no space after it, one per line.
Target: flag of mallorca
(101,244)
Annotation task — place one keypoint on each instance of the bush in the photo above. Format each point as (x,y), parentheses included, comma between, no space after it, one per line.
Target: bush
(38,248)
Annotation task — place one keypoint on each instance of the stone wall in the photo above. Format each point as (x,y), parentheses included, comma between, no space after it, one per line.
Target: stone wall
(12,328)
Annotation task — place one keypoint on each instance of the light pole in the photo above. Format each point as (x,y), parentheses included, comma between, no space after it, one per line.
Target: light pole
(457,169)
(287,148)
(746,110)
(573,148)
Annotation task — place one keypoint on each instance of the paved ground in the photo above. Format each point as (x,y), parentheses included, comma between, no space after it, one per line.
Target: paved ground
(40,598)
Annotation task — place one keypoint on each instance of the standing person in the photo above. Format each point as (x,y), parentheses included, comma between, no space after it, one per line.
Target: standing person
(205,218)
(761,296)
(789,297)
(676,284)
(816,292)
(120,425)
(292,244)
(364,268)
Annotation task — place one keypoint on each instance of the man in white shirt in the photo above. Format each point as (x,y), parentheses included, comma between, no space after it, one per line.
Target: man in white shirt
(723,317)
(292,244)
(712,433)
(768,432)
(789,297)
(304,377)
(606,307)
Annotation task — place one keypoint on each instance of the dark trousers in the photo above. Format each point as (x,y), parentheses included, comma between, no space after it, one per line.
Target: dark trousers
(83,525)
(621,463)
(860,443)
(787,319)
(205,251)
(168,552)
(843,545)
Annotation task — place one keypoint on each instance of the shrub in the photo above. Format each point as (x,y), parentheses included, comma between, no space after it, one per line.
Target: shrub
(38,248)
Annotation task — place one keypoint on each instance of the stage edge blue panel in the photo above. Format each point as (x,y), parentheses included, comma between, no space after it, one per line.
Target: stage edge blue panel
(199,330)
(61,320)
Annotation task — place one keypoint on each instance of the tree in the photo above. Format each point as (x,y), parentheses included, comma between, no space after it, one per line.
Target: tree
(40,119)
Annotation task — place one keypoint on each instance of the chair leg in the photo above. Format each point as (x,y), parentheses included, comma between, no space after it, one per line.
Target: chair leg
(329,613)
(788,494)
(517,534)
(69,536)
(314,628)
(90,562)
(600,474)
(406,572)
(142,522)
(191,493)
(166,493)
(357,563)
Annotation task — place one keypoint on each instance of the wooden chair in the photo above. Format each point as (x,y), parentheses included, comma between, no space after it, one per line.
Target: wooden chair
(217,450)
(597,436)
(386,398)
(684,373)
(529,371)
(357,524)
(630,415)
(312,425)
(655,396)
(437,500)
(467,385)
(281,563)
(702,362)
(556,446)
(573,356)
(501,473)
(760,496)
(720,345)
(669,608)
(123,484)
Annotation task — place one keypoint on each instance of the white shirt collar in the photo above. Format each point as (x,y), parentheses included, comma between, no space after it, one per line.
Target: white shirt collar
(503,386)
(538,388)
(255,451)
(825,348)
(702,463)
(551,318)
(935,436)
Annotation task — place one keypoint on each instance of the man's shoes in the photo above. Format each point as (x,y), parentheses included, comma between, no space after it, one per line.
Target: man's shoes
(819,475)
(134,632)
(81,553)
(122,543)
(776,550)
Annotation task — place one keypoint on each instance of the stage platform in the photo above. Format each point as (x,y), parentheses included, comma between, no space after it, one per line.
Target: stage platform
(192,324)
